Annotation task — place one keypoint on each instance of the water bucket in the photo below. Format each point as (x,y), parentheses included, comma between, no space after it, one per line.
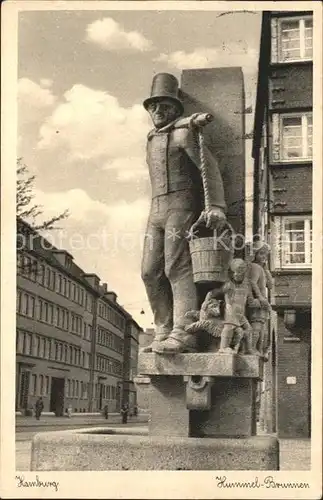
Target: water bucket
(210,263)
(211,256)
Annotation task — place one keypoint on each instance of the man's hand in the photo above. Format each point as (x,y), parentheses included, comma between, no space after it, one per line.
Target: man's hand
(264,304)
(253,303)
(215,218)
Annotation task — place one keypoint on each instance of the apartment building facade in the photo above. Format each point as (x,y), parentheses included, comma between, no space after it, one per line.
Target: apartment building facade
(70,332)
(282,152)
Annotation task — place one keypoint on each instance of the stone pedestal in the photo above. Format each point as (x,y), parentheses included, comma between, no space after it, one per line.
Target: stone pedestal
(202,417)
(180,385)
(204,395)
(133,449)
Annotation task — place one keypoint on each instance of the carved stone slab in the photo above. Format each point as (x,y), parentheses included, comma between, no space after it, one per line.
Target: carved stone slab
(204,364)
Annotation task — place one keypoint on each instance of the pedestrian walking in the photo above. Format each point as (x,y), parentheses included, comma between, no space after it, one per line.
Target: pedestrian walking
(39,406)
(69,411)
(106,412)
(124,413)
(135,411)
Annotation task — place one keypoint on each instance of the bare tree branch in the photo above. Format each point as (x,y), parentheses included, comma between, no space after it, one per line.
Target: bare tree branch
(29,214)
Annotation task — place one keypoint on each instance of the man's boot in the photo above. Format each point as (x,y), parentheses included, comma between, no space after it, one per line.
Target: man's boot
(159,337)
(179,341)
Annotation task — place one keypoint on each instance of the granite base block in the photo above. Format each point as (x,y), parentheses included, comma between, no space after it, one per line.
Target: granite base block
(105,449)
(203,364)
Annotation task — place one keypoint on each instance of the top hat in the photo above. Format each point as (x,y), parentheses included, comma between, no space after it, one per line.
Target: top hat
(164,85)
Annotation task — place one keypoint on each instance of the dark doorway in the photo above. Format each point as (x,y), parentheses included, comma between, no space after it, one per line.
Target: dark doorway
(57,396)
(24,389)
(118,398)
(100,396)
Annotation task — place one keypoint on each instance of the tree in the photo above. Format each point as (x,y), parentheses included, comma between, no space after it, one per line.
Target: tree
(25,208)
(28,218)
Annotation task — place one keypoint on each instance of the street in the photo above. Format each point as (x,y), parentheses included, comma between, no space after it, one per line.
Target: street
(27,427)
(295,454)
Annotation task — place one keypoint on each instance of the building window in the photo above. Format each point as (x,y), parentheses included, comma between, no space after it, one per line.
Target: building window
(41,347)
(41,385)
(82,296)
(24,304)
(296,39)
(47,277)
(47,349)
(296,136)
(33,385)
(28,343)
(292,137)
(50,313)
(293,242)
(20,342)
(58,319)
(41,274)
(46,385)
(31,306)
(89,303)
(292,39)
(18,303)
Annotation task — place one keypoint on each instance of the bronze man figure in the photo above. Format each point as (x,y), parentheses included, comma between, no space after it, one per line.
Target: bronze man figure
(177,201)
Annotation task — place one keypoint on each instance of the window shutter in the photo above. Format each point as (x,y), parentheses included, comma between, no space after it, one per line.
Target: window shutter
(274,40)
(276,132)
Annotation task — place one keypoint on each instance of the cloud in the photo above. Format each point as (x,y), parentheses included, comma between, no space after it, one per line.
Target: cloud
(234,54)
(35,102)
(34,95)
(119,215)
(109,35)
(46,82)
(77,201)
(130,168)
(91,125)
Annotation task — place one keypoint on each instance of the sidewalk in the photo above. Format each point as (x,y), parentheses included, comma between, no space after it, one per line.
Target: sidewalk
(295,454)
(76,419)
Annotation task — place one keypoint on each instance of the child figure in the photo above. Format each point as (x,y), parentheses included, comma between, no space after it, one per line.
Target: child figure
(258,305)
(236,326)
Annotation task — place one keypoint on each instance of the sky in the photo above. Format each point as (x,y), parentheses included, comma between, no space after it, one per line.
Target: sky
(82,77)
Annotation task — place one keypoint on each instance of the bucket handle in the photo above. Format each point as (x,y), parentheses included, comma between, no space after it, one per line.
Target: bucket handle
(201,221)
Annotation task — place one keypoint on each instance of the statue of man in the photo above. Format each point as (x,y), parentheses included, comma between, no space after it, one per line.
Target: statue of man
(173,158)
(259,307)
